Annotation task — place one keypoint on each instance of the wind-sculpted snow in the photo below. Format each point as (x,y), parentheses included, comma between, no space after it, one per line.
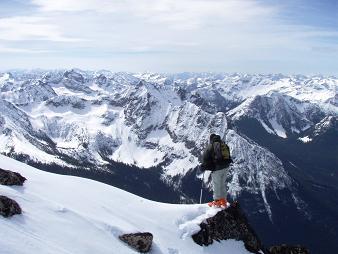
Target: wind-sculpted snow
(152,119)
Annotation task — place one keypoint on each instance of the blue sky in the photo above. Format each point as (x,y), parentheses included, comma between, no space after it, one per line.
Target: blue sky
(254,36)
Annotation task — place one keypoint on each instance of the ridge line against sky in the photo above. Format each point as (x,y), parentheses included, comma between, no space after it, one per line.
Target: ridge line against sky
(265,36)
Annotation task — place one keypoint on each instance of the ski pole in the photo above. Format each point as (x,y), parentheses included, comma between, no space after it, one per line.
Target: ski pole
(202,189)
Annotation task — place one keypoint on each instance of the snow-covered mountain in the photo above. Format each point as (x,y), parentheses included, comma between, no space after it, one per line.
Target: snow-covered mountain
(85,120)
(151,119)
(280,114)
(64,214)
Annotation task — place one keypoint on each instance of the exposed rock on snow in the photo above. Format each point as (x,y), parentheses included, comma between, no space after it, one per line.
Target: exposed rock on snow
(288,249)
(140,241)
(305,139)
(8,207)
(229,223)
(11,178)
(327,123)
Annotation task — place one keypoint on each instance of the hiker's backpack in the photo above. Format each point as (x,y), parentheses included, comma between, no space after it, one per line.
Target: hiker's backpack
(221,151)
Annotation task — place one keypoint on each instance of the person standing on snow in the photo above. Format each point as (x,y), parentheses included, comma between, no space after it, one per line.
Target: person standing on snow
(216,158)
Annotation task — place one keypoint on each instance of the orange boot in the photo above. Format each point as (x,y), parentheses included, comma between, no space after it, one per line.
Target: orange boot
(223,202)
(219,203)
(213,203)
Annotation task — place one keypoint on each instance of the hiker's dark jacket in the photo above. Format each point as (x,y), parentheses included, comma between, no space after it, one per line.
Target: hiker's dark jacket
(208,162)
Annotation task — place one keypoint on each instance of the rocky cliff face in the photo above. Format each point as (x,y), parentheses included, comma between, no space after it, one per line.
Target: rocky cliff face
(231,223)
(8,206)
(227,224)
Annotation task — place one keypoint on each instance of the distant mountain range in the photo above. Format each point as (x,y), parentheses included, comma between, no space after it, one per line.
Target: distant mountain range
(145,133)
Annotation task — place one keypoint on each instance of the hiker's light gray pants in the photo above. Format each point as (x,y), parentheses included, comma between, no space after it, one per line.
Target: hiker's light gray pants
(218,183)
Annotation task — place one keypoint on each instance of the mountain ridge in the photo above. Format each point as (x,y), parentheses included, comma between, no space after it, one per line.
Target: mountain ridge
(74,118)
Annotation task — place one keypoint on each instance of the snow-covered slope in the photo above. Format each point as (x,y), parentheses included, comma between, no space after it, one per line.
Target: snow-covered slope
(64,214)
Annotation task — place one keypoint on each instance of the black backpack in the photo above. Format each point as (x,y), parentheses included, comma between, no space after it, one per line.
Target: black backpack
(221,151)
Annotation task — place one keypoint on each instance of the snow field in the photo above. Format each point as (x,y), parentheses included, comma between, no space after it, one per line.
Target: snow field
(69,215)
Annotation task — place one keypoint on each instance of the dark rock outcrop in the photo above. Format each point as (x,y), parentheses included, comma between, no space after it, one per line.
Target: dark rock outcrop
(140,241)
(288,249)
(8,207)
(229,223)
(11,178)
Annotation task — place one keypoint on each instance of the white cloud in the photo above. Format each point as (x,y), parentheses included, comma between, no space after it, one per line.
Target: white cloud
(78,5)
(167,35)
(31,28)
(5,49)
(179,14)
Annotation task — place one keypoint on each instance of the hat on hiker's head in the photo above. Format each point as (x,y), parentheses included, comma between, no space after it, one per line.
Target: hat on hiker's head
(212,136)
